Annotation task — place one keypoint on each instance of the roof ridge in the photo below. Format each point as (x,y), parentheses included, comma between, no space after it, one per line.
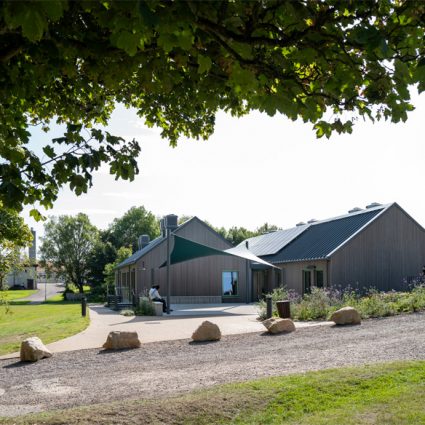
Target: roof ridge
(363,211)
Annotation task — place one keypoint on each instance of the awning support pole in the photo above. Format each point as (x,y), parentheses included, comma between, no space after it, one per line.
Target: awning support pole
(168,270)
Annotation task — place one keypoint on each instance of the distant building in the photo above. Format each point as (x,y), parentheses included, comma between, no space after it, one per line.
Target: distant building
(26,278)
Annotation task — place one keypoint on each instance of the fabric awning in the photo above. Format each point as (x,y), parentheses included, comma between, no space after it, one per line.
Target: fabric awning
(185,250)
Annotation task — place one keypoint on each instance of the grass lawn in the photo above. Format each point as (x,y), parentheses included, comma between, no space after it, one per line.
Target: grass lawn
(383,394)
(50,322)
(16,295)
(55,298)
(59,297)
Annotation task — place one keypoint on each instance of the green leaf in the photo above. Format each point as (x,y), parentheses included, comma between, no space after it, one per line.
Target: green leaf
(53,9)
(204,64)
(167,41)
(128,42)
(323,128)
(148,16)
(16,154)
(33,24)
(49,151)
(419,75)
(78,184)
(184,39)
(36,215)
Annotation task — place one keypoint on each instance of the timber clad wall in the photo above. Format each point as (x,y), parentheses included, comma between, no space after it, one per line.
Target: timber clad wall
(390,249)
(194,278)
(293,273)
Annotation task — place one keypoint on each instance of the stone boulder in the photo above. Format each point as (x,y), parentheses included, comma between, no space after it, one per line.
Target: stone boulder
(32,350)
(118,340)
(277,326)
(346,316)
(207,331)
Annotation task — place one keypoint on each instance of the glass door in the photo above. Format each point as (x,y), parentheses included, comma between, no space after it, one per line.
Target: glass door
(306,281)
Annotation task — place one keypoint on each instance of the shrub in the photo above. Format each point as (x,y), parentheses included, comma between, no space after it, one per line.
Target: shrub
(317,305)
(145,308)
(321,303)
(278,294)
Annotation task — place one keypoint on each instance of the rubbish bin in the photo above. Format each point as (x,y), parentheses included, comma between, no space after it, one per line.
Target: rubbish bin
(283,309)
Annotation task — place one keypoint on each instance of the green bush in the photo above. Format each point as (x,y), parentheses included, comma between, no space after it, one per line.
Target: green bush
(317,305)
(278,294)
(321,303)
(145,308)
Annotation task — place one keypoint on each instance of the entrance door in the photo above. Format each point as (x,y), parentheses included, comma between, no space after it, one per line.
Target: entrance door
(258,280)
(125,287)
(319,280)
(306,281)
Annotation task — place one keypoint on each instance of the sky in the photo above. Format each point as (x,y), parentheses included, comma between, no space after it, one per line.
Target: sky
(259,169)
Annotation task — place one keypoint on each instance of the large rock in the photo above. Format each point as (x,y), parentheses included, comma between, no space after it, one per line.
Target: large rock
(207,331)
(117,340)
(32,350)
(346,316)
(277,326)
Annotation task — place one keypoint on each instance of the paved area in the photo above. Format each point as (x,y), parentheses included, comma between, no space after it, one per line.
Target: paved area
(180,324)
(45,291)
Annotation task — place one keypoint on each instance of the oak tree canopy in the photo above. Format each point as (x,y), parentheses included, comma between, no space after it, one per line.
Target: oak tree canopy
(178,63)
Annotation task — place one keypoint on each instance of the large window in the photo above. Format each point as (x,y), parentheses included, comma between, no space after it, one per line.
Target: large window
(230,283)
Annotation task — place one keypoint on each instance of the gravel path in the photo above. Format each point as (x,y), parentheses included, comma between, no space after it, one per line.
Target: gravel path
(170,367)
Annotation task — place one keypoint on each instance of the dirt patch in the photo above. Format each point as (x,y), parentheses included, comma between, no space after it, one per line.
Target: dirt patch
(174,367)
(51,387)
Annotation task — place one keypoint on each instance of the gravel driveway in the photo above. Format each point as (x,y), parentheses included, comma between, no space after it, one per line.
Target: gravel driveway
(163,368)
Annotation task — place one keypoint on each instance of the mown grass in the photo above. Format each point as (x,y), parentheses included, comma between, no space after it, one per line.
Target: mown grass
(61,297)
(49,321)
(58,298)
(382,394)
(18,294)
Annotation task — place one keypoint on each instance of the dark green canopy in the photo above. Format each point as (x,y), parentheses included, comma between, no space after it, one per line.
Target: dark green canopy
(185,249)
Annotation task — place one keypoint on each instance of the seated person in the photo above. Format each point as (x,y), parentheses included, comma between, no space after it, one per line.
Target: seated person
(154,296)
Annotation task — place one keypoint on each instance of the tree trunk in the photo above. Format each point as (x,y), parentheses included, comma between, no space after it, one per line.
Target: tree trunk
(80,286)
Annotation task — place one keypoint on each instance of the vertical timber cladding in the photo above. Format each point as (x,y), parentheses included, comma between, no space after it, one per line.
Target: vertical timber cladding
(203,276)
(147,269)
(293,273)
(198,277)
(390,249)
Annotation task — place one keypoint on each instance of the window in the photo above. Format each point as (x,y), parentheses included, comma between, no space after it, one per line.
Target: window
(307,281)
(230,283)
(319,278)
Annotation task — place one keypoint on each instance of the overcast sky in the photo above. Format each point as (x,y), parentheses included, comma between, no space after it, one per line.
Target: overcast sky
(260,169)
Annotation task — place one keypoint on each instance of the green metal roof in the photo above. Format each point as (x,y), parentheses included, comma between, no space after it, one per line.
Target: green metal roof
(322,238)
